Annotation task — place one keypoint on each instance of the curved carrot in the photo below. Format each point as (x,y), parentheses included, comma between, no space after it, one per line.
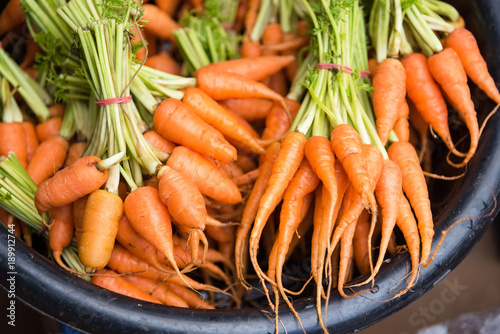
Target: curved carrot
(346,254)
(176,121)
(277,121)
(71,183)
(49,128)
(448,71)
(199,170)
(118,284)
(74,153)
(12,138)
(250,109)
(158,291)
(402,126)
(49,157)
(61,231)
(465,45)
(160,142)
(424,92)
(163,61)
(159,23)
(31,140)
(215,115)
(414,186)
(389,91)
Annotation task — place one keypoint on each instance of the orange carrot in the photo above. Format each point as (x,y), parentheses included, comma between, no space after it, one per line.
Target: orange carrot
(199,170)
(163,61)
(189,296)
(13,139)
(246,161)
(249,109)
(61,230)
(176,121)
(160,142)
(48,128)
(57,110)
(78,213)
(32,49)
(389,91)
(272,35)
(346,253)
(159,23)
(118,284)
(448,71)
(31,140)
(215,115)
(168,6)
(71,183)
(465,45)
(414,186)
(372,66)
(250,48)
(74,153)
(48,158)
(11,17)
(424,92)
(360,243)
(292,68)
(158,291)
(277,121)
(251,15)
(402,126)
(253,68)
(10,222)
(100,225)
(151,219)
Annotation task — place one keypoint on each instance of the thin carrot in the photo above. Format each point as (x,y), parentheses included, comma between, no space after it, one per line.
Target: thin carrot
(159,23)
(10,222)
(465,45)
(414,186)
(251,16)
(160,142)
(99,228)
(61,231)
(71,183)
(402,126)
(78,212)
(176,121)
(272,35)
(346,254)
(158,291)
(250,109)
(215,115)
(31,140)
(163,61)
(389,91)
(74,153)
(168,6)
(49,157)
(422,128)
(448,71)
(277,120)
(424,93)
(12,138)
(189,296)
(113,282)
(48,128)
(209,180)
(360,243)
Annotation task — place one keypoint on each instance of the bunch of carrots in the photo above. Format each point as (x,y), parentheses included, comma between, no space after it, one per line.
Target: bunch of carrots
(174,151)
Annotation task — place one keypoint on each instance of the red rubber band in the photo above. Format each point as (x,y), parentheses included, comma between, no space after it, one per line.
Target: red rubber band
(115,100)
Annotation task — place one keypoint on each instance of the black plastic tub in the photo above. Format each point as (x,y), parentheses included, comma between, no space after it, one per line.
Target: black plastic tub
(82,306)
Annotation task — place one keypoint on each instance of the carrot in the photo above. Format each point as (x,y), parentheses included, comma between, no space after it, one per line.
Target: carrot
(49,128)
(372,67)
(292,68)
(10,222)
(212,255)
(279,83)
(346,144)
(251,208)
(31,140)
(465,45)
(99,228)
(160,142)
(277,121)
(189,296)
(287,162)
(159,23)
(61,231)
(360,243)
(346,254)
(247,178)
(251,15)
(197,4)
(389,91)
(151,220)
(57,110)
(163,61)
(176,122)
(199,170)
(48,158)
(422,128)
(137,245)
(250,109)
(78,212)
(272,35)
(71,183)
(448,71)
(250,48)
(168,6)
(118,284)
(32,49)
(424,93)
(11,17)
(158,291)
(226,85)
(183,200)
(12,138)
(414,186)
(304,182)
(402,126)
(253,68)
(215,115)
(246,161)
(74,153)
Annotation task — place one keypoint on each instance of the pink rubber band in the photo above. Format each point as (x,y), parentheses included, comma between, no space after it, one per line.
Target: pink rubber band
(346,69)
(115,100)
